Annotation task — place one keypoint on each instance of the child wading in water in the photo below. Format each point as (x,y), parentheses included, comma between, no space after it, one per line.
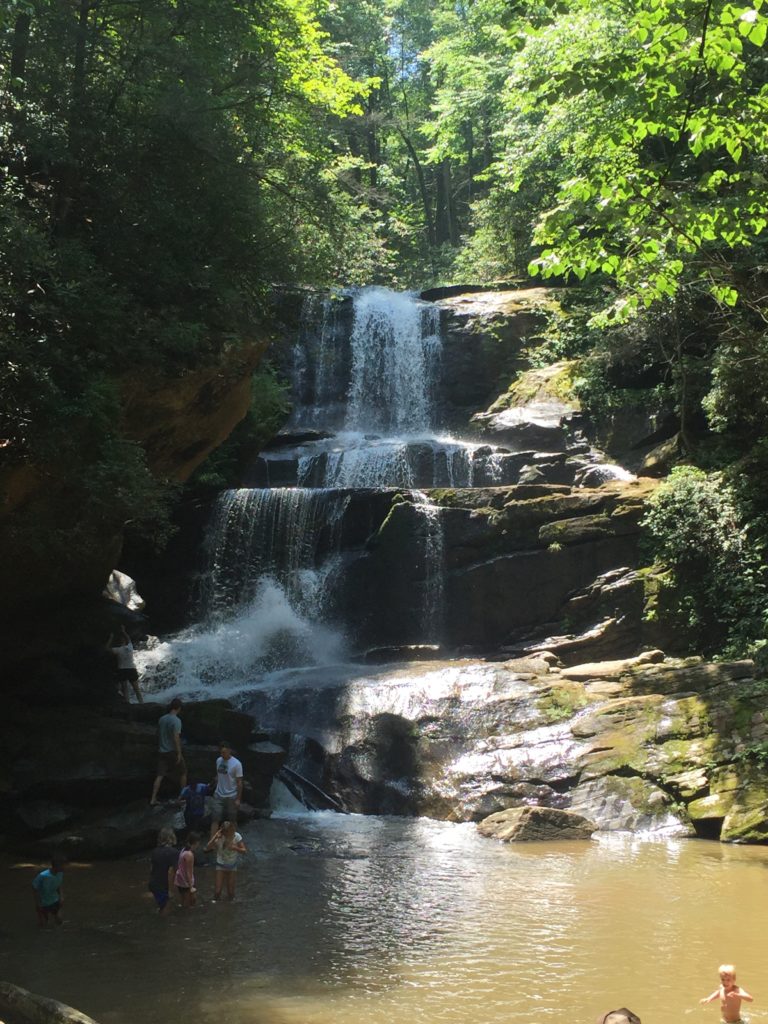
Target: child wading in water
(730,995)
(48,895)
(165,860)
(185,872)
(228,843)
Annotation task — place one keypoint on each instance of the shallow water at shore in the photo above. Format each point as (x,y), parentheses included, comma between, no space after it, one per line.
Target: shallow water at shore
(343,918)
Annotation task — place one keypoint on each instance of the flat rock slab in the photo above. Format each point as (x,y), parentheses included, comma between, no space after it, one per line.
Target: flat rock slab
(524,824)
(611,669)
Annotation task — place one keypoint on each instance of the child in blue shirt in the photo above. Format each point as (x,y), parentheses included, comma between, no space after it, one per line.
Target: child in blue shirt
(49,897)
(193,797)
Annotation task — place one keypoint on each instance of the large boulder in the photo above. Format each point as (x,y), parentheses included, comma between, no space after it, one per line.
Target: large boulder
(23,1007)
(523,824)
(211,721)
(131,829)
(537,410)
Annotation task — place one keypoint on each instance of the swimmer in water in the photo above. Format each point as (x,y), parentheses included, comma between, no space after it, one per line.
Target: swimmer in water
(730,995)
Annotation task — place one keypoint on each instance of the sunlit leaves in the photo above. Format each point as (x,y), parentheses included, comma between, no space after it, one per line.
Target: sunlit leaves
(670,169)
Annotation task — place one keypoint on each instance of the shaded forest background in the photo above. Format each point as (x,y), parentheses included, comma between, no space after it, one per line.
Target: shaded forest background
(167,163)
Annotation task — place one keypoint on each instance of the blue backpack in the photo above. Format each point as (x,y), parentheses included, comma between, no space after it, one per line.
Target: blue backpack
(194,796)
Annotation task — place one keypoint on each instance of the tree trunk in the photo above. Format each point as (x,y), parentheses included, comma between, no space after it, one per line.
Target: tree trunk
(64,210)
(447,227)
(428,219)
(15,100)
(19,47)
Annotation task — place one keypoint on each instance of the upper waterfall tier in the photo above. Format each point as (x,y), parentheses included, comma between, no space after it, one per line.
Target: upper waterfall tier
(395,345)
(376,374)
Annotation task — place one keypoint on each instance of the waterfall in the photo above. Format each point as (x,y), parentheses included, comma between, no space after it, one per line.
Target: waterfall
(273,557)
(221,657)
(434,569)
(284,533)
(381,464)
(273,581)
(395,347)
(352,461)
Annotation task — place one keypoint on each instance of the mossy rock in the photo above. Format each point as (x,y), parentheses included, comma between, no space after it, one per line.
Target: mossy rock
(562,700)
(576,531)
(630,802)
(746,824)
(676,756)
(546,383)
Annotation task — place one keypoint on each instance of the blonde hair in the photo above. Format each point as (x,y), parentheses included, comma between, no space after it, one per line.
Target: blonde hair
(727,969)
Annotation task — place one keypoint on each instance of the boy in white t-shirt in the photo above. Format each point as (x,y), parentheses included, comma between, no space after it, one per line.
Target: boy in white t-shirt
(228,787)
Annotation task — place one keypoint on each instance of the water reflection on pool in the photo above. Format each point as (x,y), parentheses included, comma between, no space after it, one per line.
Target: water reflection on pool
(359,919)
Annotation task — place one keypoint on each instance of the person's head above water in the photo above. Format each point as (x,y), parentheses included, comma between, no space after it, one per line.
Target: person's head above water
(622,1016)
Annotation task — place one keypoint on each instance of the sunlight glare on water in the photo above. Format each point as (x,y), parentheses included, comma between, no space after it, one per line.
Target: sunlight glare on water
(365,920)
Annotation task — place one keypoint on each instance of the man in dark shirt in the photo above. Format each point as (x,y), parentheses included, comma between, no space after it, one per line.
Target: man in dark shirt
(165,858)
(170,760)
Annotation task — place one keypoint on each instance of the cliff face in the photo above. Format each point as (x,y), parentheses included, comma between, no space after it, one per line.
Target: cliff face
(180,421)
(49,590)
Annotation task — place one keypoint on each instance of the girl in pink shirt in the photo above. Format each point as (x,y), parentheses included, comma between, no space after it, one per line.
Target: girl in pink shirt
(185,872)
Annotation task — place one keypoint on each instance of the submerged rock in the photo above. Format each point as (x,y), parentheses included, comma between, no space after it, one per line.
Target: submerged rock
(524,824)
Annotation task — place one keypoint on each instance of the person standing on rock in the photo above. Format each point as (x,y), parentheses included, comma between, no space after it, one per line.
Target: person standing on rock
(127,674)
(228,792)
(170,760)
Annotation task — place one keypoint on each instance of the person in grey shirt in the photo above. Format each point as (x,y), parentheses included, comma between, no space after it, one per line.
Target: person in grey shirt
(170,760)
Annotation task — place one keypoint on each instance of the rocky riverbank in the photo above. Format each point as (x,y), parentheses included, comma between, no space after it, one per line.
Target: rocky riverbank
(645,744)
(79,778)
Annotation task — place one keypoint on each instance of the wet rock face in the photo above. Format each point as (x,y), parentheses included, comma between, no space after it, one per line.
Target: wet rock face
(79,779)
(637,744)
(512,561)
(535,824)
(484,336)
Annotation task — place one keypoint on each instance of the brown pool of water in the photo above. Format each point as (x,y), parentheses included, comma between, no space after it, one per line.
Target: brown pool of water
(364,920)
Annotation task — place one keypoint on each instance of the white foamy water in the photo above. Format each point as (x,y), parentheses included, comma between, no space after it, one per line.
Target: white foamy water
(279,532)
(395,358)
(352,460)
(223,657)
